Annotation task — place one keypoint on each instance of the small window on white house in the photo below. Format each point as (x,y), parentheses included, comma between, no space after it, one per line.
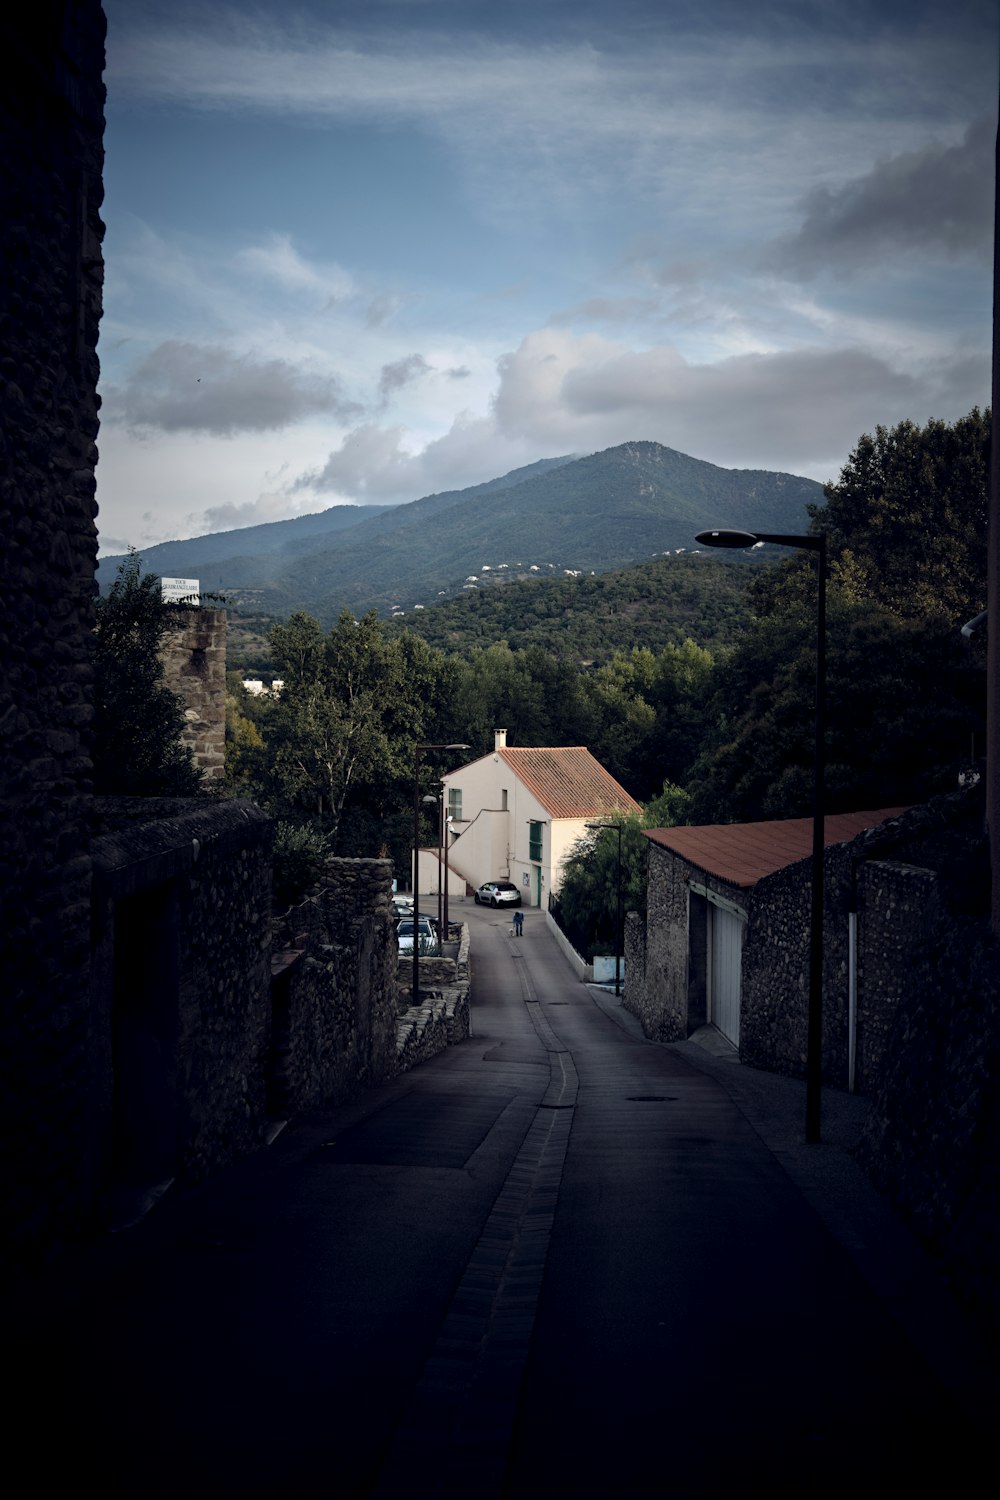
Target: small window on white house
(503,799)
(455,803)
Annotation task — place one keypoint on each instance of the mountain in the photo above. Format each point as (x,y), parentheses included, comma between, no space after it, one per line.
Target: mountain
(604,511)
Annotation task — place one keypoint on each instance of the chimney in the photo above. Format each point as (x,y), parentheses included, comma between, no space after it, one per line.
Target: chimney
(499,739)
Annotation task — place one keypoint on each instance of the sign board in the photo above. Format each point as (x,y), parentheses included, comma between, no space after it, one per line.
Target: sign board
(180,590)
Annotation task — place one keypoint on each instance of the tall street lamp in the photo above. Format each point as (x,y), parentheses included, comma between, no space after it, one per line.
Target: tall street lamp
(418,751)
(438,803)
(814,1025)
(446,830)
(598,827)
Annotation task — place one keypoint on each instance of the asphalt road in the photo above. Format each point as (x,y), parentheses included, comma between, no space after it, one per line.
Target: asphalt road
(556,1260)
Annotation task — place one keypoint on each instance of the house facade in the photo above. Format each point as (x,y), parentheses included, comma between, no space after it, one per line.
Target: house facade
(517,812)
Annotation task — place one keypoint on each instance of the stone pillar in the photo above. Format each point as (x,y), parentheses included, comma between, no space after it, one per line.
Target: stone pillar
(194,667)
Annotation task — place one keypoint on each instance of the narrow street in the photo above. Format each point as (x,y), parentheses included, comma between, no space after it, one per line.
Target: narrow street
(556,1260)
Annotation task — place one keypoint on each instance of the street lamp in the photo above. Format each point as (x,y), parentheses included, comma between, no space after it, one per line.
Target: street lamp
(438,802)
(447,878)
(814,1025)
(597,827)
(418,750)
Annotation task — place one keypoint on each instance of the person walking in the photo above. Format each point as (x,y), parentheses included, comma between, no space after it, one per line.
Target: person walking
(518,923)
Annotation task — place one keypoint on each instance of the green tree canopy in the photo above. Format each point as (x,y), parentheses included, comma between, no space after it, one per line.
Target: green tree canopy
(138,721)
(907,519)
(343,716)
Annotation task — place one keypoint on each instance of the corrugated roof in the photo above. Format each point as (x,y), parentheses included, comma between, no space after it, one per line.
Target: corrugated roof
(743,853)
(568,781)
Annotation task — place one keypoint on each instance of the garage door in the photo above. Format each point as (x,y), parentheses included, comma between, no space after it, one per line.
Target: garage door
(726,954)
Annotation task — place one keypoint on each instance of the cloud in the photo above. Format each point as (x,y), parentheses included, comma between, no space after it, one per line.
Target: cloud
(270,506)
(185,387)
(370,464)
(759,410)
(381,309)
(798,411)
(278,260)
(938,199)
(400,373)
(607,310)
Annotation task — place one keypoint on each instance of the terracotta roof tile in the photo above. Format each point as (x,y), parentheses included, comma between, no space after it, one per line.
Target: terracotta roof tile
(568,781)
(743,853)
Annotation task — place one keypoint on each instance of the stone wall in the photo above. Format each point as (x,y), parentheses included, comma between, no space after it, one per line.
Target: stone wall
(51,156)
(931,1141)
(888,875)
(194,667)
(181,1004)
(334,989)
(663,988)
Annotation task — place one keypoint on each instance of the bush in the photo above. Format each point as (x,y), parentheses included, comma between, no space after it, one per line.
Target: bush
(300,852)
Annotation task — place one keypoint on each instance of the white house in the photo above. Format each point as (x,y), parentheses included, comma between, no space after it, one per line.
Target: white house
(517,812)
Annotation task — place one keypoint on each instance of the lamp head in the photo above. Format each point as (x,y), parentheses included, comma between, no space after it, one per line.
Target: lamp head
(723,538)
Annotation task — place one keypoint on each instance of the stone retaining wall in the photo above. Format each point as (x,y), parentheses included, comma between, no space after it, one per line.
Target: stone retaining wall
(334,989)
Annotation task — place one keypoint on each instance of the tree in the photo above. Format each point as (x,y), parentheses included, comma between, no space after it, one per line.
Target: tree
(587,905)
(905,700)
(138,721)
(906,524)
(907,519)
(346,717)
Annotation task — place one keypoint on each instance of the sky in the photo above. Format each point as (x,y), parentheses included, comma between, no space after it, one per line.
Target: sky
(361,252)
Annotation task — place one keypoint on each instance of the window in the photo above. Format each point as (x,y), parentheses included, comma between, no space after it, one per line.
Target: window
(503,799)
(455,803)
(535,841)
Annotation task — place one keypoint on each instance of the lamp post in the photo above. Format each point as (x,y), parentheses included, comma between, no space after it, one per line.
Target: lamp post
(438,803)
(446,827)
(814,1025)
(618,901)
(418,750)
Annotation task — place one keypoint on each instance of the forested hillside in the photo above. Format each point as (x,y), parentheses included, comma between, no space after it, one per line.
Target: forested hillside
(587,620)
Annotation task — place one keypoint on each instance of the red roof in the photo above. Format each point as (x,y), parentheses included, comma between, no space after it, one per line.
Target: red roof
(568,782)
(743,853)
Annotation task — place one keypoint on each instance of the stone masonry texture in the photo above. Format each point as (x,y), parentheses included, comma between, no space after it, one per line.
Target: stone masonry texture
(334,989)
(181,990)
(194,667)
(51,159)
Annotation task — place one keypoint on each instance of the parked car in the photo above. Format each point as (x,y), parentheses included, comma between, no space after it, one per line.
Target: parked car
(427,941)
(498,893)
(402,906)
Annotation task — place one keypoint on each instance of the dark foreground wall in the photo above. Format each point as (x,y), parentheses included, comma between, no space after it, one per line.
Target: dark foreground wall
(181,995)
(932,1138)
(51,155)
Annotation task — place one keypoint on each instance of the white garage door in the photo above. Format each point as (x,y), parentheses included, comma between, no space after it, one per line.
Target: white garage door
(726,951)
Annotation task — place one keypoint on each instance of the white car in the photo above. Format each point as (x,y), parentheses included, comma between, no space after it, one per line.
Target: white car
(427,942)
(498,893)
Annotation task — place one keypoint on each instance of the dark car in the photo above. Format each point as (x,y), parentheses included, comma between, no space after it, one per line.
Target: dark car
(498,893)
